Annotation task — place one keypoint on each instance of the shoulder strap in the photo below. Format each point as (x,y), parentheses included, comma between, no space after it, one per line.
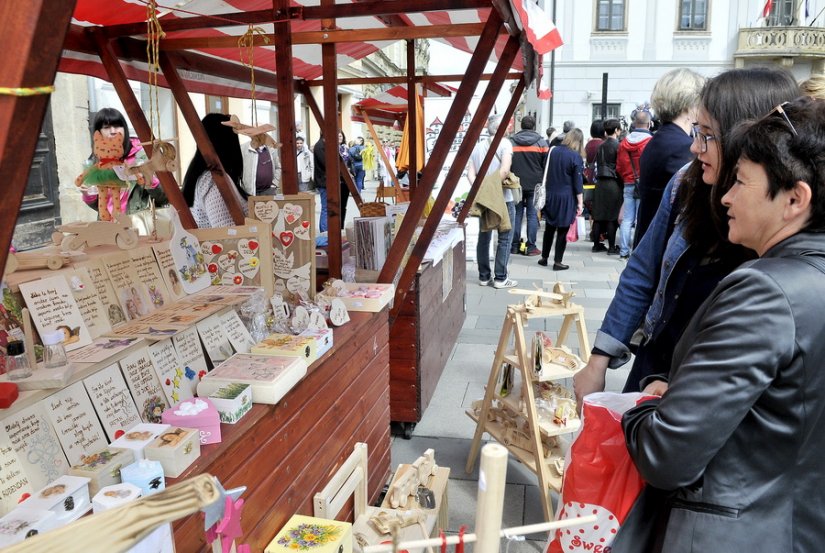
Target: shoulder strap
(546,165)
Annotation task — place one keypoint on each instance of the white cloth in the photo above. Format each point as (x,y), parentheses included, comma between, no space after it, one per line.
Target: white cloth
(250,167)
(305,165)
(208,209)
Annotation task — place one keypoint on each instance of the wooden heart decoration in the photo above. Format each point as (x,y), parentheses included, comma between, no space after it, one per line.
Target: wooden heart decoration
(297,284)
(247,247)
(302,233)
(292,213)
(225,262)
(338,314)
(266,211)
(249,267)
(317,321)
(286,238)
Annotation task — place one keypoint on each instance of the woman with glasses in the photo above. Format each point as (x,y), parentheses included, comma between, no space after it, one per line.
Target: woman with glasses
(737,440)
(685,252)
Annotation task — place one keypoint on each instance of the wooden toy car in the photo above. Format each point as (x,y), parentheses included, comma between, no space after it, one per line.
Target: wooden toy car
(80,235)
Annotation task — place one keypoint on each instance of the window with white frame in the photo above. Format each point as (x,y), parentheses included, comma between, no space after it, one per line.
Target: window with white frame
(693,15)
(782,13)
(613,111)
(610,15)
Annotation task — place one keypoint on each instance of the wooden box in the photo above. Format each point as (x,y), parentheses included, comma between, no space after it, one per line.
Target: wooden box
(67,497)
(116,495)
(146,475)
(103,468)
(288,345)
(232,401)
(270,377)
(319,535)
(176,449)
(323,340)
(196,413)
(372,297)
(21,523)
(138,437)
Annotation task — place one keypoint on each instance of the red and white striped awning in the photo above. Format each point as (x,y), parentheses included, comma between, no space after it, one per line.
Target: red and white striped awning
(233,80)
(390,106)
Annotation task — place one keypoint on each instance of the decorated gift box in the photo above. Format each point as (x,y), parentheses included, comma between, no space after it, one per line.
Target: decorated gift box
(288,345)
(370,297)
(22,523)
(67,497)
(103,468)
(323,339)
(138,437)
(312,534)
(232,401)
(270,377)
(176,449)
(196,413)
(146,475)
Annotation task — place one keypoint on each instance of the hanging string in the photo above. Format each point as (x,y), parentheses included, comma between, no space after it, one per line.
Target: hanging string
(26,90)
(217,18)
(154,33)
(247,43)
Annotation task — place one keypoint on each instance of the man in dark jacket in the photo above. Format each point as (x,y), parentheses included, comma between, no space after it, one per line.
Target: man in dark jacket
(319,158)
(529,158)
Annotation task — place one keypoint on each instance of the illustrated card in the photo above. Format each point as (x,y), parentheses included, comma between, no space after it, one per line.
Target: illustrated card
(233,254)
(142,380)
(112,401)
(88,301)
(105,291)
(31,434)
(130,293)
(190,353)
(145,266)
(214,339)
(148,331)
(53,307)
(170,371)
(13,479)
(236,332)
(101,349)
(75,422)
(293,240)
(188,259)
(166,265)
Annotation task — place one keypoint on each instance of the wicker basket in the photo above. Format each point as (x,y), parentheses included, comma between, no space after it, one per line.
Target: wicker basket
(373,209)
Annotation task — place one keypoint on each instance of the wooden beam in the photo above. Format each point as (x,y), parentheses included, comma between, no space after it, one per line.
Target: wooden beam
(426,79)
(459,107)
(187,109)
(486,104)
(381,151)
(31,40)
(331,157)
(284,77)
(305,13)
(331,36)
(138,119)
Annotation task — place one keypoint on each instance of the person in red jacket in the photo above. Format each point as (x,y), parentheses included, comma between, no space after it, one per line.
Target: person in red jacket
(627,165)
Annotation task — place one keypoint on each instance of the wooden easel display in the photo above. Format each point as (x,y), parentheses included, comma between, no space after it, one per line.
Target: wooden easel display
(513,420)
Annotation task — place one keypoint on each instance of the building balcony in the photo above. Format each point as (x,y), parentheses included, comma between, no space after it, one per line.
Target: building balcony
(784,44)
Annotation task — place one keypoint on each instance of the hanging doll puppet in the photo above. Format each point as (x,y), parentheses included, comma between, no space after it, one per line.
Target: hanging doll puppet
(108,172)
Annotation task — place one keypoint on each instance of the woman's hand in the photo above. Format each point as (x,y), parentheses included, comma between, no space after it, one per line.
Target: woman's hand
(656,388)
(590,379)
(579,210)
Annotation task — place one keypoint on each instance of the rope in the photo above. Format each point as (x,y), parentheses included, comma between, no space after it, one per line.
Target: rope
(247,42)
(154,33)
(26,90)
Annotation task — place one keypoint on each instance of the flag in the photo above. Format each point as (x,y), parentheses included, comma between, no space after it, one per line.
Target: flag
(541,32)
(766,11)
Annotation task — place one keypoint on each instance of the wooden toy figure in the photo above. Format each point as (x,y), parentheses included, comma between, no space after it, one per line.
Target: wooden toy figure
(107,171)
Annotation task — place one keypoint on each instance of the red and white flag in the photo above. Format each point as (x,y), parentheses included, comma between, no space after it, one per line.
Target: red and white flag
(766,11)
(541,32)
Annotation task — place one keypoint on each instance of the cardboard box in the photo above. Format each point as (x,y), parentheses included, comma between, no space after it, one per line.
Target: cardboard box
(232,401)
(316,534)
(138,437)
(288,345)
(176,449)
(67,497)
(323,340)
(103,468)
(270,377)
(196,413)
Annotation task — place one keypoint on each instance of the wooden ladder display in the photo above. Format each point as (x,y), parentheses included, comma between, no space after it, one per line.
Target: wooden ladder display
(529,449)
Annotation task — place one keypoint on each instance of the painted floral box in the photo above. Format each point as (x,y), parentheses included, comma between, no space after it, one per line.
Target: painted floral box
(103,468)
(232,401)
(323,340)
(288,345)
(270,377)
(318,535)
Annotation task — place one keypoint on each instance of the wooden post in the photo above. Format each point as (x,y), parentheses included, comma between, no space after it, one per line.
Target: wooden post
(330,134)
(138,119)
(380,148)
(201,138)
(31,41)
(286,105)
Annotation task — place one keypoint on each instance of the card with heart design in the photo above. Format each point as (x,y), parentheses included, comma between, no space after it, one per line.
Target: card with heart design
(232,255)
(292,241)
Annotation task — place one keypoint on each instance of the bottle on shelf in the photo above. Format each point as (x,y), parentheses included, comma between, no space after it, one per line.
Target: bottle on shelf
(17,364)
(54,354)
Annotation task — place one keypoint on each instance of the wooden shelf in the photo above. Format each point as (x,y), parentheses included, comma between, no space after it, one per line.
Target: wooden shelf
(548,374)
(548,429)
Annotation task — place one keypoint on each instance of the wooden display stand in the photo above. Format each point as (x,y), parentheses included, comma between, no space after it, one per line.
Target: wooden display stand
(524,404)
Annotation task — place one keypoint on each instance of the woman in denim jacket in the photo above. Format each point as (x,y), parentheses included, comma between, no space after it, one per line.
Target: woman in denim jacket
(684,253)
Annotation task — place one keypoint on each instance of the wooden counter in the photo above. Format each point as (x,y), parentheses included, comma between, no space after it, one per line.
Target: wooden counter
(286,453)
(423,336)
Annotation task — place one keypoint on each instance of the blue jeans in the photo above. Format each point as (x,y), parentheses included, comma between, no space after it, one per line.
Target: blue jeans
(526,204)
(628,219)
(322,223)
(502,251)
(359,179)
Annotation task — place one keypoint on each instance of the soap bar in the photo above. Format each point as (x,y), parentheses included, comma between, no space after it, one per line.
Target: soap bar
(8,394)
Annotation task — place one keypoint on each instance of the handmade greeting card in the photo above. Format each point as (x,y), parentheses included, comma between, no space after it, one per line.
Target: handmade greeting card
(53,307)
(233,254)
(188,259)
(147,331)
(35,441)
(101,349)
(143,382)
(190,353)
(112,401)
(131,295)
(75,422)
(105,291)
(146,268)
(214,339)
(168,272)
(13,480)
(170,371)
(88,301)
(236,332)
(293,240)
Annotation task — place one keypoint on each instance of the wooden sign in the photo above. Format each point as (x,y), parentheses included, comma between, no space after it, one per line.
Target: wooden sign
(75,422)
(293,240)
(88,301)
(170,371)
(236,332)
(53,307)
(112,401)
(233,255)
(105,291)
(143,382)
(190,352)
(214,339)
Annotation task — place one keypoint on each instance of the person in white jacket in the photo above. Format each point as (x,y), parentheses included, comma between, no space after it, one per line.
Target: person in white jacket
(306,167)
(261,169)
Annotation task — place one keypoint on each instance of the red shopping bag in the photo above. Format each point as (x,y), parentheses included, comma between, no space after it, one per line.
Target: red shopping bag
(573,233)
(600,477)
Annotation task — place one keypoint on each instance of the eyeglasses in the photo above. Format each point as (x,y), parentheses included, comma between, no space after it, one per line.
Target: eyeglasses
(780,109)
(702,138)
